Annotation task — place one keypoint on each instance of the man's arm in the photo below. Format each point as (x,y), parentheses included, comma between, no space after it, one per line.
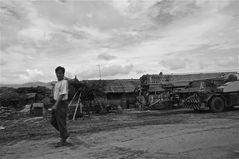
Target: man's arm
(55,106)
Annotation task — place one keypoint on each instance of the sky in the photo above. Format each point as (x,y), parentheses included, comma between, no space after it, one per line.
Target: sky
(121,38)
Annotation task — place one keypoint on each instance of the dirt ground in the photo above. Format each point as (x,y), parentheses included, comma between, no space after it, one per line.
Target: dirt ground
(172,134)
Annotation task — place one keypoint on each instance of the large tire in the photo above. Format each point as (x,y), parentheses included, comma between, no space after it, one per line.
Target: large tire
(217,104)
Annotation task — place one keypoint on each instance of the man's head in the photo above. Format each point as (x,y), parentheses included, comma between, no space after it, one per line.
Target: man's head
(60,71)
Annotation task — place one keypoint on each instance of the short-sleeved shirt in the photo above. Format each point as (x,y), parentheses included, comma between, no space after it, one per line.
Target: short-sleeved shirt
(61,88)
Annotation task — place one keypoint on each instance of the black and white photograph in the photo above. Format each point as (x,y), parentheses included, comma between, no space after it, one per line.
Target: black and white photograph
(119,79)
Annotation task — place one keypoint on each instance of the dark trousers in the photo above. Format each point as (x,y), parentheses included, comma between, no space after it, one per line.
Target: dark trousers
(58,119)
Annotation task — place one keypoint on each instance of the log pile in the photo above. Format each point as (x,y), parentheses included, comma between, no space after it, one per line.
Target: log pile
(7,113)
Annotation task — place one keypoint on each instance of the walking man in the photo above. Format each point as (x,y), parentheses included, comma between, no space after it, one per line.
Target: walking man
(60,108)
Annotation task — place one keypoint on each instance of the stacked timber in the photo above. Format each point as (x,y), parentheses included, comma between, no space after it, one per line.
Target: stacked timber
(7,113)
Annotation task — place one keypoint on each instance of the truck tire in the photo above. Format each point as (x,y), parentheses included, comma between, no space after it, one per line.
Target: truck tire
(217,104)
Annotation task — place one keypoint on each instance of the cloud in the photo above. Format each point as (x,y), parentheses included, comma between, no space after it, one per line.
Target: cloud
(34,33)
(105,56)
(140,72)
(132,8)
(227,61)
(13,17)
(152,35)
(205,58)
(92,33)
(121,5)
(107,71)
(174,63)
(3,62)
(31,75)
(116,70)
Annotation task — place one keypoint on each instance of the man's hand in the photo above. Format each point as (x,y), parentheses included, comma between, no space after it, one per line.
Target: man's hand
(54,107)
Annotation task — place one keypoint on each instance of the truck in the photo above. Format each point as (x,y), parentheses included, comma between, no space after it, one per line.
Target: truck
(195,91)
(217,99)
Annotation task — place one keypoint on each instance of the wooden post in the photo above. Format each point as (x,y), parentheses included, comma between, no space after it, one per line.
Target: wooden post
(76,108)
(72,99)
(81,105)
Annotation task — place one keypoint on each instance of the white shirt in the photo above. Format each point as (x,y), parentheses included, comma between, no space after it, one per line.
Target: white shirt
(61,87)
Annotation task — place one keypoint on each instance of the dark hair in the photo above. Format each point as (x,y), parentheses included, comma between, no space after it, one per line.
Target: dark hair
(59,68)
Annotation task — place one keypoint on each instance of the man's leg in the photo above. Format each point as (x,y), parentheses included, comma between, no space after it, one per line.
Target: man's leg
(54,120)
(61,115)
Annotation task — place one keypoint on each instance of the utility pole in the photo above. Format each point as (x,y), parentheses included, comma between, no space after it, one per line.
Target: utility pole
(99,70)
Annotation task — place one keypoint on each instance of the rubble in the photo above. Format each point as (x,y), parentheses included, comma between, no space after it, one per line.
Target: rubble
(7,113)
(2,128)
(26,109)
(33,119)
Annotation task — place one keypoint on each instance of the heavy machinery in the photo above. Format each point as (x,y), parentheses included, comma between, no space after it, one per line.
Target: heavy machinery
(195,91)
(217,99)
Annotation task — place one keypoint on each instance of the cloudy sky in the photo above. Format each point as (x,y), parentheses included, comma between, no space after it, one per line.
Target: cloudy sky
(126,38)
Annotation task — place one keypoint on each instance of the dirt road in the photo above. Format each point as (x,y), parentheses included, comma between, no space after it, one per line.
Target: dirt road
(175,134)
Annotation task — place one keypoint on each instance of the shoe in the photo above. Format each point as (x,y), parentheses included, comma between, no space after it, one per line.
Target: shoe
(62,143)
(68,144)
(59,144)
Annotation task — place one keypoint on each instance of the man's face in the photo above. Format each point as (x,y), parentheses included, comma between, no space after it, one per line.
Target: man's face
(59,75)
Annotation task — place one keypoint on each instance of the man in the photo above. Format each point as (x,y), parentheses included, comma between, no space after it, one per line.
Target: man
(60,108)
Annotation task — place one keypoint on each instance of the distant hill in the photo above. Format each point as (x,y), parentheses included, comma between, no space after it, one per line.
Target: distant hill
(30,84)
